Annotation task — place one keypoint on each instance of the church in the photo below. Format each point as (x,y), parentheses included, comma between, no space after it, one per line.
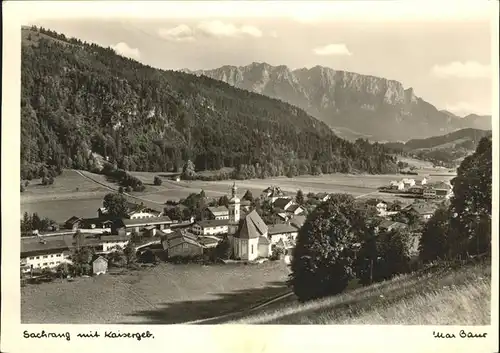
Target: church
(249,236)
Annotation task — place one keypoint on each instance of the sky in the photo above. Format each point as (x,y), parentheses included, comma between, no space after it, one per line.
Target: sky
(443,53)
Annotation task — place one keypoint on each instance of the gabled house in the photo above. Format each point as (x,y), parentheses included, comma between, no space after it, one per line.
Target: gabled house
(397,185)
(219,212)
(283,203)
(211,227)
(408,183)
(285,232)
(295,209)
(134,211)
(272,193)
(323,196)
(163,223)
(391,225)
(182,246)
(99,265)
(423,210)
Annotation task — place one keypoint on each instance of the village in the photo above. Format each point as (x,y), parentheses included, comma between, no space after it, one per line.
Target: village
(237,226)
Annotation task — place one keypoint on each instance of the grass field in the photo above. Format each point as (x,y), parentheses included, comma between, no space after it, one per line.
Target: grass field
(165,294)
(448,296)
(81,194)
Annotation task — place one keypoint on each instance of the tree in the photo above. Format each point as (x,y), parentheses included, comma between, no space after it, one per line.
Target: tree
(23,188)
(120,189)
(63,270)
(470,206)
(322,261)
(299,197)
(157,180)
(188,171)
(223,201)
(248,196)
(116,205)
(434,243)
(117,258)
(130,254)
(223,249)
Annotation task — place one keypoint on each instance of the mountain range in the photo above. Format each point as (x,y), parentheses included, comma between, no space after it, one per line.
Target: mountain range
(353,105)
(79,100)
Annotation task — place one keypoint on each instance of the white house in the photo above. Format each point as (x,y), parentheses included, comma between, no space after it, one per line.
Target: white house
(381,208)
(408,183)
(295,209)
(285,232)
(398,185)
(273,193)
(423,181)
(252,240)
(211,227)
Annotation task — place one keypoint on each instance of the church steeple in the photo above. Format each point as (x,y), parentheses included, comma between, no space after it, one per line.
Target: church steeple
(233,190)
(234,206)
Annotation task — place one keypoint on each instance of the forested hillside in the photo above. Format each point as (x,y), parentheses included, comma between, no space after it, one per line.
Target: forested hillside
(79,98)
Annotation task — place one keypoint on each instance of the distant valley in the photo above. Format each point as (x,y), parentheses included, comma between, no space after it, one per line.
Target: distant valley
(447,150)
(353,105)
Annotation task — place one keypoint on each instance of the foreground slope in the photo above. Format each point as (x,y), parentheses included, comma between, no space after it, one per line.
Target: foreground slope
(379,108)
(79,98)
(443,295)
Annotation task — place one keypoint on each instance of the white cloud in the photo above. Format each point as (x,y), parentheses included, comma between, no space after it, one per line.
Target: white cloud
(332,49)
(468,69)
(181,33)
(123,49)
(220,29)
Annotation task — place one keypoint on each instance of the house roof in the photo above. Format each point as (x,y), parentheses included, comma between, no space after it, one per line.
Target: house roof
(263,241)
(207,241)
(282,202)
(391,224)
(298,221)
(73,220)
(63,242)
(293,207)
(439,185)
(218,210)
(253,226)
(146,221)
(422,208)
(321,195)
(180,240)
(281,228)
(213,223)
(101,258)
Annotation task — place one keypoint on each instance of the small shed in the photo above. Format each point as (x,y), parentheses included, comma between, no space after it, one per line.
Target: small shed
(100,265)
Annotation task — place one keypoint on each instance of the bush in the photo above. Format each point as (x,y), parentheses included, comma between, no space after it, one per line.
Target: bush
(277,253)
(157,181)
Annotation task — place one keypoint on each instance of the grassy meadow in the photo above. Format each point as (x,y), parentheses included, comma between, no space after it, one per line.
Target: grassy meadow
(165,294)
(81,193)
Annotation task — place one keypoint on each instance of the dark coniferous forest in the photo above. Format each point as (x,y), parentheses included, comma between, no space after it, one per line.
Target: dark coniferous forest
(81,100)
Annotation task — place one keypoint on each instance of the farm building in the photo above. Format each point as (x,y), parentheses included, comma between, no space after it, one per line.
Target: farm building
(182,245)
(135,211)
(208,241)
(295,209)
(162,223)
(98,224)
(100,266)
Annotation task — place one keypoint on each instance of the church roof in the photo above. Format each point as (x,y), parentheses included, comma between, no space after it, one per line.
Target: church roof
(253,226)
